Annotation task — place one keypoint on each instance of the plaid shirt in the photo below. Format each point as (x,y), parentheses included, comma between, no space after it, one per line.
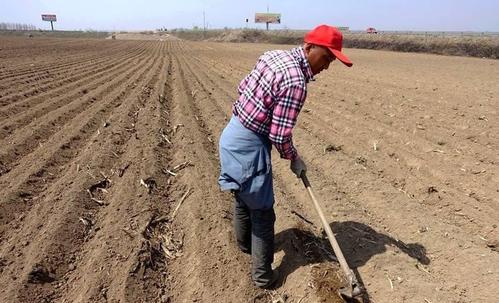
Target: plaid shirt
(272,95)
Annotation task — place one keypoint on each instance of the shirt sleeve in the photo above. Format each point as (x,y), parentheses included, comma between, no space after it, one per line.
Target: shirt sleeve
(288,105)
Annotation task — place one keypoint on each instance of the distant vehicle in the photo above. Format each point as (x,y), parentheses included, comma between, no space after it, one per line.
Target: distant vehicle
(371,30)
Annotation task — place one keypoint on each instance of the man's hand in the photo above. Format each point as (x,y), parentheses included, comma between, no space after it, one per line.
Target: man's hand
(298,167)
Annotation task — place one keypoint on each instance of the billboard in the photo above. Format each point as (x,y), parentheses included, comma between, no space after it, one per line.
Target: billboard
(49,18)
(267,18)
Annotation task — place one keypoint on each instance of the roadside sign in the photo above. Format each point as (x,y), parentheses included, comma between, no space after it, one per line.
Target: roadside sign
(49,18)
(267,18)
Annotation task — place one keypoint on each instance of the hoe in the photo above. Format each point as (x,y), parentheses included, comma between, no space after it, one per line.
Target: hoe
(353,290)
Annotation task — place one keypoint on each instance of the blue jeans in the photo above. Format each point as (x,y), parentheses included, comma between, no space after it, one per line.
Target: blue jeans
(255,236)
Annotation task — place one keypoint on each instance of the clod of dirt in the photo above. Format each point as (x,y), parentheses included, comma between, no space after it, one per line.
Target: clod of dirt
(24,195)
(122,169)
(423,229)
(327,281)
(268,296)
(432,189)
(361,160)
(493,245)
(3,169)
(105,183)
(39,275)
(333,148)
(148,183)
(3,263)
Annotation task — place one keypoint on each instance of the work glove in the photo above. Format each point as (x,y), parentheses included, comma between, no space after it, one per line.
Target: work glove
(298,167)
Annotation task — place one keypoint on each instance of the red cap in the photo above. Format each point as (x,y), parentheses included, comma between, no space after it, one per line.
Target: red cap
(330,37)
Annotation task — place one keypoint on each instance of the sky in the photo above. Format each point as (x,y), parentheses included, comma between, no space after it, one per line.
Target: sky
(403,15)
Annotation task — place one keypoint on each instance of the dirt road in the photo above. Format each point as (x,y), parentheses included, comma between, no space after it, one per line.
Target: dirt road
(108,170)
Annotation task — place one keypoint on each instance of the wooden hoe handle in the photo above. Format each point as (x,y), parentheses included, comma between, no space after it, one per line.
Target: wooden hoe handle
(336,248)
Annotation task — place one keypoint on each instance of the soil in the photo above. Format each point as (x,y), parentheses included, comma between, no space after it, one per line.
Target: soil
(109,167)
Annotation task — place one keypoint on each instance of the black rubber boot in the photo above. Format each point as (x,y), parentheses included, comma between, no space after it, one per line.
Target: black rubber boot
(242,226)
(262,246)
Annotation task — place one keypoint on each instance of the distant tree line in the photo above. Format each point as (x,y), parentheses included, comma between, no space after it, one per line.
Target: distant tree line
(17,26)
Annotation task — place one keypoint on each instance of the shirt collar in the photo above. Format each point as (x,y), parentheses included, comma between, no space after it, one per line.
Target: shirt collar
(299,54)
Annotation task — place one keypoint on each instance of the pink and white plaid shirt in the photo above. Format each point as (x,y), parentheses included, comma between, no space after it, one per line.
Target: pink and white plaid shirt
(272,95)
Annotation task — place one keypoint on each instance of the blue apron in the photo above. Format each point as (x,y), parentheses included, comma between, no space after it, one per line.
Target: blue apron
(246,165)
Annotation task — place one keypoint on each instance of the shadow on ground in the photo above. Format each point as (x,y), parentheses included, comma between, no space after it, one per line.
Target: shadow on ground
(359,243)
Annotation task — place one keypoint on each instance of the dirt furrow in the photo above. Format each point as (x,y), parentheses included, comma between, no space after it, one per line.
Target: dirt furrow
(425,115)
(20,101)
(24,187)
(22,143)
(27,103)
(206,210)
(17,66)
(40,81)
(79,89)
(76,218)
(422,186)
(435,240)
(416,146)
(44,63)
(83,284)
(130,212)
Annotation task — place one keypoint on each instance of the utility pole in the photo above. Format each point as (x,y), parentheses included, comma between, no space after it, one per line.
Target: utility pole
(267,13)
(204,21)
(204,24)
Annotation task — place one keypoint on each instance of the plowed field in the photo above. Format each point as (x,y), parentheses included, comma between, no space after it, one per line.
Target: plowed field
(109,167)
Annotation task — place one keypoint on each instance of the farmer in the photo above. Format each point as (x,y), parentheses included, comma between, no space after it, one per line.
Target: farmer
(270,99)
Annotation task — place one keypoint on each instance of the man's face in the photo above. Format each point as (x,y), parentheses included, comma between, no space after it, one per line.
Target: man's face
(318,57)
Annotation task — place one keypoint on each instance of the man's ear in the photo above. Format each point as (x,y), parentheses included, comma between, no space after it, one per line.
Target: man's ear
(307,47)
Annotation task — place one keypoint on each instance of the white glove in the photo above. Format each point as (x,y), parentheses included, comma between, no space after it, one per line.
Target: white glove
(298,167)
